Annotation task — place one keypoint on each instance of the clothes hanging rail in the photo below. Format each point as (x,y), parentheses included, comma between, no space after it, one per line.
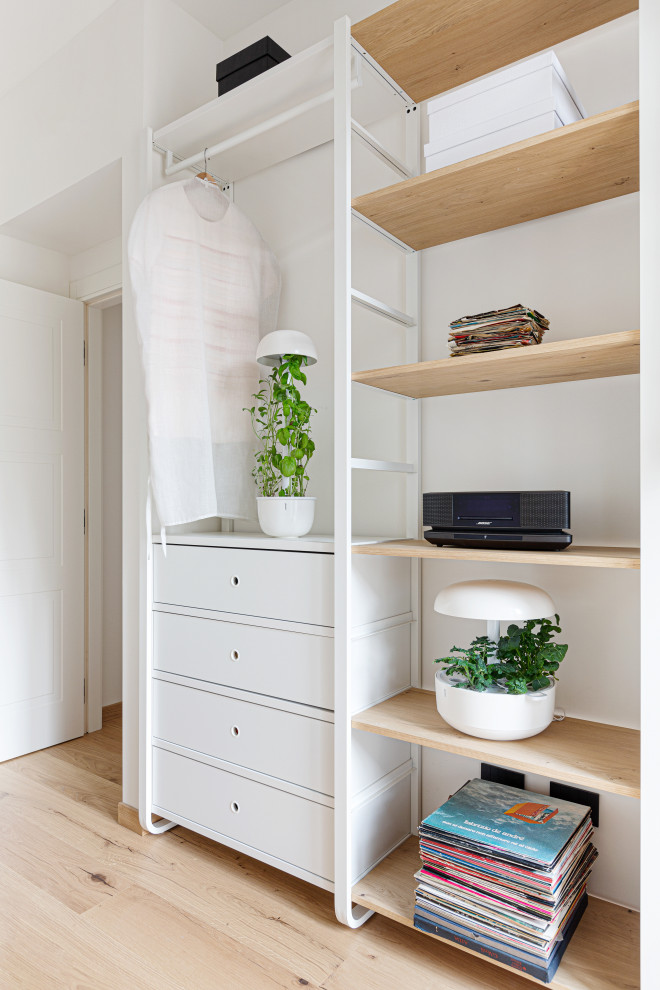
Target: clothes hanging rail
(223,183)
(251,132)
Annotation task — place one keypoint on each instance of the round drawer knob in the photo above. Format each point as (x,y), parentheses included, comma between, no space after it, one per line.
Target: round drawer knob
(235,731)
(234,655)
(234,580)
(235,807)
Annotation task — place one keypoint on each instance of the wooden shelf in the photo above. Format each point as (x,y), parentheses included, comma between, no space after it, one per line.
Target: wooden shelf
(624,557)
(604,356)
(586,162)
(603,954)
(589,754)
(430,47)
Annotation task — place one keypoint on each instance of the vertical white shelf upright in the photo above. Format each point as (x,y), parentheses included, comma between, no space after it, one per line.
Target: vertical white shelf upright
(345,293)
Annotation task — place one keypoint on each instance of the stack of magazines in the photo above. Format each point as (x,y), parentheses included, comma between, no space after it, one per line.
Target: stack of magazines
(504,873)
(516,326)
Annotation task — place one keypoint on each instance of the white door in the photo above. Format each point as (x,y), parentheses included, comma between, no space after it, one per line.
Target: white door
(41,519)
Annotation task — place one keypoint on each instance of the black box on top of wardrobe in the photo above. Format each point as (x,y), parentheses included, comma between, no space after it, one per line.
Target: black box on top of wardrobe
(248,63)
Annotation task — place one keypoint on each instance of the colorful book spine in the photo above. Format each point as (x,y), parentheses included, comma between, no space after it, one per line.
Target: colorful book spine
(543,972)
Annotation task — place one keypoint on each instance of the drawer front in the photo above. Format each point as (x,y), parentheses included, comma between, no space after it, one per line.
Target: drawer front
(297,587)
(279,824)
(294,666)
(291,747)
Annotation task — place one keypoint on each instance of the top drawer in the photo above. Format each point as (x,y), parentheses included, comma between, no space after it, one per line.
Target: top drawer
(272,584)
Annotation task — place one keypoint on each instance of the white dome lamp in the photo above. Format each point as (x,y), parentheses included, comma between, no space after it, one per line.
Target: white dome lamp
(494,600)
(275,345)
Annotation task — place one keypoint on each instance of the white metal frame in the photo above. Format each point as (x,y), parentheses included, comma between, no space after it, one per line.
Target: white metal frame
(94,519)
(344,295)
(650,473)
(95,303)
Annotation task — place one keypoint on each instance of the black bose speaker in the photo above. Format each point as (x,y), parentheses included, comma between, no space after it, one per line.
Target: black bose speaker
(501,520)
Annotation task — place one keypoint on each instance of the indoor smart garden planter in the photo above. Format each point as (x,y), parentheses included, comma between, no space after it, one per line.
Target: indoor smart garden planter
(493,713)
(286,516)
(501,686)
(281,422)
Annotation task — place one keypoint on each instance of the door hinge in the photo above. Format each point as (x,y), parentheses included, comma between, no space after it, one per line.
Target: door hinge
(84,690)
(84,352)
(84,521)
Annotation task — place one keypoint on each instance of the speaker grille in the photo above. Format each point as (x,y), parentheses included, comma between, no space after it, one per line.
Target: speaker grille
(438,509)
(545,510)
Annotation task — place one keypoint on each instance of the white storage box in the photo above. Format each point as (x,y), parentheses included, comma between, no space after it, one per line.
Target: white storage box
(518,102)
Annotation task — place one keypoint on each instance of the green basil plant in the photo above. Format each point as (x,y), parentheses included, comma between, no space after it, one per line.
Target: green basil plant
(523,660)
(281,422)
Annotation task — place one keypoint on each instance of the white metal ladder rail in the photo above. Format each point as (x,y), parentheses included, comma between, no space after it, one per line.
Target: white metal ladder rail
(344,296)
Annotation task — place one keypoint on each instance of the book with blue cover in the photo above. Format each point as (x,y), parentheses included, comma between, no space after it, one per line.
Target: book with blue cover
(520,825)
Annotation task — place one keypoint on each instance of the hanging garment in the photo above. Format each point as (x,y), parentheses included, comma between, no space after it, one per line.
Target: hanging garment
(207,288)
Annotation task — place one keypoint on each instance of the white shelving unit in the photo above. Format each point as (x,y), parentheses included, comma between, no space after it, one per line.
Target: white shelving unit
(334,92)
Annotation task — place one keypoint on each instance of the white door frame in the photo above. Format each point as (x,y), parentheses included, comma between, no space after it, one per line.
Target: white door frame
(95,303)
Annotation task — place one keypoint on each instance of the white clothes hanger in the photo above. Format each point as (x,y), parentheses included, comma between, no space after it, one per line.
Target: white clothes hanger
(205,176)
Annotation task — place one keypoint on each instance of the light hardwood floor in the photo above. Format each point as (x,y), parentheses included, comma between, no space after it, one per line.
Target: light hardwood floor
(87,904)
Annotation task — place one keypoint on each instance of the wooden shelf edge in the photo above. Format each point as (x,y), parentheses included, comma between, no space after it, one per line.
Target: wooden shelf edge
(586,162)
(418,41)
(603,954)
(569,751)
(579,359)
(626,558)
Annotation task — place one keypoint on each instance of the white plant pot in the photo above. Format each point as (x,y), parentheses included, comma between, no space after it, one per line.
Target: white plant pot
(286,517)
(494,714)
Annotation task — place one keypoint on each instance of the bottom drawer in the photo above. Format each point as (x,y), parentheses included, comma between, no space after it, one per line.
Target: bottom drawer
(290,828)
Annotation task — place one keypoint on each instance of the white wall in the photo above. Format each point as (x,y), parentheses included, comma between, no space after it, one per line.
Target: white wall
(179,63)
(301,23)
(111,334)
(139,63)
(76,113)
(97,270)
(33,31)
(35,266)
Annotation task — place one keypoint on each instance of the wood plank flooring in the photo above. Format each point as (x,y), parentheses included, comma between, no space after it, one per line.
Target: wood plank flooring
(87,904)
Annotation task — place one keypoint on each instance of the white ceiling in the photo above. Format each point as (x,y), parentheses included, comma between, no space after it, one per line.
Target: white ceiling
(32,31)
(78,218)
(227,17)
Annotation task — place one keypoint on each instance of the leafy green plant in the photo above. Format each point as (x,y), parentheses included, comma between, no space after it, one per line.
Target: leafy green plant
(523,660)
(281,422)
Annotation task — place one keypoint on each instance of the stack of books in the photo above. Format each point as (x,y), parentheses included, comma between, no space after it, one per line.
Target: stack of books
(516,326)
(504,873)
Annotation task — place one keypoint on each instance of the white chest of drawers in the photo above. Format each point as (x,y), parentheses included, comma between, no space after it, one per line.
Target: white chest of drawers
(241,694)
